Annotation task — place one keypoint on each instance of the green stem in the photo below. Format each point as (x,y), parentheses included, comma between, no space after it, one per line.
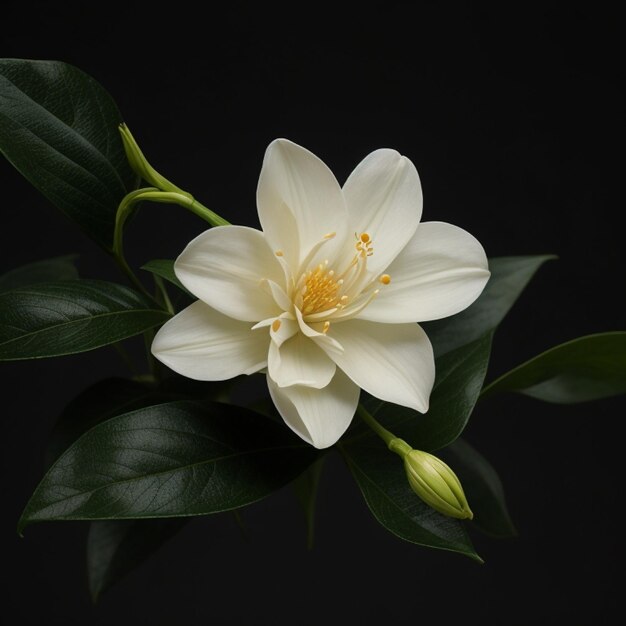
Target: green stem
(206,214)
(123,265)
(155,195)
(382,432)
(153,364)
(395,444)
(162,290)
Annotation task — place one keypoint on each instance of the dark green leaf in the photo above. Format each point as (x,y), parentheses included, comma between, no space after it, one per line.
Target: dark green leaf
(380,476)
(98,403)
(169,460)
(115,547)
(459,379)
(509,276)
(114,396)
(59,128)
(305,488)
(587,368)
(482,487)
(59,268)
(54,319)
(165,269)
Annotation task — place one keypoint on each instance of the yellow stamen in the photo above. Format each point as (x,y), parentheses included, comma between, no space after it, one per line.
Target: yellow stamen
(385,279)
(326,327)
(279,253)
(365,238)
(276,325)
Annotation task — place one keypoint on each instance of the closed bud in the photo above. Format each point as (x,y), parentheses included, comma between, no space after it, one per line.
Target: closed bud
(436,484)
(140,165)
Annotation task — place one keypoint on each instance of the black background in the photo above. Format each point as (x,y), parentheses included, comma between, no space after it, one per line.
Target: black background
(514,121)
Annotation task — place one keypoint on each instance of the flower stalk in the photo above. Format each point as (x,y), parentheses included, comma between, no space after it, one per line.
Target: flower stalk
(429,477)
(162,190)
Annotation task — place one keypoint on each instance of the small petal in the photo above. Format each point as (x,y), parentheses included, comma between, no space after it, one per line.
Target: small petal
(278,294)
(440,272)
(283,328)
(319,416)
(299,361)
(224,267)
(393,362)
(384,199)
(203,344)
(315,332)
(299,202)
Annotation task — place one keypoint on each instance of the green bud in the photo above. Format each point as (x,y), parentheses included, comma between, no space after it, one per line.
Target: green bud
(436,484)
(140,164)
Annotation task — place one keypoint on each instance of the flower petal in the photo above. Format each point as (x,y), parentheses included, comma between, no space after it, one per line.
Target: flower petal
(384,199)
(299,361)
(393,362)
(319,416)
(224,267)
(299,201)
(283,328)
(440,272)
(203,344)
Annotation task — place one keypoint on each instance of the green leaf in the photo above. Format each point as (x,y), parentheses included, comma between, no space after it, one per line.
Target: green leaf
(98,403)
(59,268)
(587,368)
(114,396)
(509,277)
(169,460)
(59,128)
(306,487)
(165,269)
(54,319)
(381,478)
(459,379)
(116,547)
(482,487)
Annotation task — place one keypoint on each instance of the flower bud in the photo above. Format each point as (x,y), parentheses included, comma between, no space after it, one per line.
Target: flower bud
(436,484)
(140,165)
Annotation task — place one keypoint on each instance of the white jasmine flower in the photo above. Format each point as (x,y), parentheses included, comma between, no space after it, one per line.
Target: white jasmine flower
(326,297)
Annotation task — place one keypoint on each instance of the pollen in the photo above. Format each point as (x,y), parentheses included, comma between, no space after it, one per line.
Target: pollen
(279,253)
(320,290)
(276,325)
(364,245)
(385,279)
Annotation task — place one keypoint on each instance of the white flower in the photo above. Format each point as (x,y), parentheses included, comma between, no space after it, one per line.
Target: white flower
(326,297)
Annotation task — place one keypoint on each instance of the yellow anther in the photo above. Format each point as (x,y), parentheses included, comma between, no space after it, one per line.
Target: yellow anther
(276,325)
(329,235)
(385,279)
(326,327)
(279,253)
(365,237)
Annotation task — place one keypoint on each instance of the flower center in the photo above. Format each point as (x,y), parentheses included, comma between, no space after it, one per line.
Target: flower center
(321,295)
(320,290)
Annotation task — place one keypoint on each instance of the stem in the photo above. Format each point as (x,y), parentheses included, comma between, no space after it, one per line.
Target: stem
(158,281)
(383,433)
(153,364)
(395,444)
(152,193)
(123,265)
(206,214)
